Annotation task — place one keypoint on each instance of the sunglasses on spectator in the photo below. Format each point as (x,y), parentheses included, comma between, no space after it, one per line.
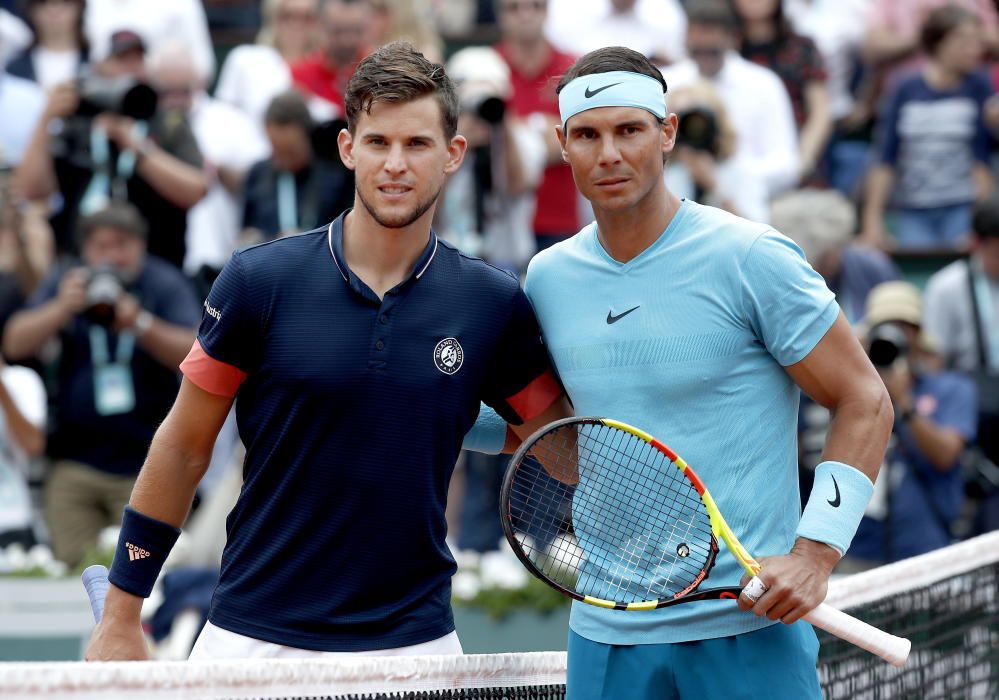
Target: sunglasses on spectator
(535,5)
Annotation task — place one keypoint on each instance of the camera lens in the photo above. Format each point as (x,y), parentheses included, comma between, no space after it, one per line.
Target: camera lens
(103,291)
(885,344)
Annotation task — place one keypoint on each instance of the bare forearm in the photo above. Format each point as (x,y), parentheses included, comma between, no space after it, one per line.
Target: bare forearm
(35,176)
(858,434)
(516,181)
(28,331)
(817,128)
(942,446)
(178,182)
(30,437)
(878,188)
(169,478)
(168,343)
(884,47)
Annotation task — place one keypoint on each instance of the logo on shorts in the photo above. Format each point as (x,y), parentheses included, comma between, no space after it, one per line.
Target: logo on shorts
(136,552)
(448,356)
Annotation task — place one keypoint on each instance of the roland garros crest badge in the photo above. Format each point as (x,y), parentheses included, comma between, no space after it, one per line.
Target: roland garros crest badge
(448,356)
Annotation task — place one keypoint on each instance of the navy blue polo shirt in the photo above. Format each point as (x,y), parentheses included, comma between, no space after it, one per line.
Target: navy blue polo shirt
(352,409)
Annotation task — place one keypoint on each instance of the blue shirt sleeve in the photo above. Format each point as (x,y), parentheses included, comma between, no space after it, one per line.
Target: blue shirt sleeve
(230,330)
(789,306)
(983,139)
(889,136)
(956,404)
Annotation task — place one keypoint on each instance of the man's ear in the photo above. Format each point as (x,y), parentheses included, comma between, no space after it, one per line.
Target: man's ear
(345,144)
(455,154)
(560,134)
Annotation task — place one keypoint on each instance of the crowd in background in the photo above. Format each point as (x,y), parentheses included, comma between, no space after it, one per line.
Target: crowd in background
(143,141)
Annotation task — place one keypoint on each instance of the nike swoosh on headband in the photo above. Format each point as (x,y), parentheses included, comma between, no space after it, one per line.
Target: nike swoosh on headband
(591,93)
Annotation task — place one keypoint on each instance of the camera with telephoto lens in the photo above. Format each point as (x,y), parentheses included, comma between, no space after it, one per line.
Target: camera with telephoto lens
(124,95)
(489,108)
(887,343)
(698,129)
(104,289)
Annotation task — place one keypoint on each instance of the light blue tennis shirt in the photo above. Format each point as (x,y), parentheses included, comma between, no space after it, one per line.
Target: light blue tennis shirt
(689,341)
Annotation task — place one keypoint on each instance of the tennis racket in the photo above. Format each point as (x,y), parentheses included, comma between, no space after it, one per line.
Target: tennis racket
(608,515)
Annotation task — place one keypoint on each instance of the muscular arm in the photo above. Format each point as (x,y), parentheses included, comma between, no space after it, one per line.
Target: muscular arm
(178,457)
(838,375)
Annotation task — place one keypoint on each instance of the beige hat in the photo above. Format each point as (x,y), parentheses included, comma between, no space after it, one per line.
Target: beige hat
(817,220)
(894,301)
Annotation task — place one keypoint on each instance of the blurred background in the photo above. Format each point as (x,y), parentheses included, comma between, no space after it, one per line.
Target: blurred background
(143,141)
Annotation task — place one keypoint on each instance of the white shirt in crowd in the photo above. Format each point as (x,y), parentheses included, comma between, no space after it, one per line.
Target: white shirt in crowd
(28,393)
(54,67)
(15,36)
(652,28)
(760,109)
(735,184)
(251,77)
(21,105)
(948,319)
(227,139)
(155,21)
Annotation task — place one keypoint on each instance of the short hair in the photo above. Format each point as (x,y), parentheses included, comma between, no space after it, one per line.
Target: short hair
(712,13)
(940,23)
(398,73)
(289,108)
(611,58)
(120,216)
(985,217)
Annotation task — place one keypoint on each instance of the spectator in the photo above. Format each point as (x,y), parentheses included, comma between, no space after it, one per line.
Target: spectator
(653,28)
(489,203)
(60,48)
(15,36)
(22,104)
(767,141)
(254,74)
(823,223)
(893,42)
(324,74)
(702,166)
(769,41)
(934,149)
(26,248)
(535,67)
(296,189)
(230,145)
(920,490)
(411,21)
(179,20)
(962,311)
(22,437)
(126,320)
(154,164)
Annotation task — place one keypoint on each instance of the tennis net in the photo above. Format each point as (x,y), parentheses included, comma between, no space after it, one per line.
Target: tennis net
(946,602)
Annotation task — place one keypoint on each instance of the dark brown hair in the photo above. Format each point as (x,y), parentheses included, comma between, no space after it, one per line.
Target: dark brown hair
(397,72)
(941,22)
(609,59)
(120,216)
(712,13)
(289,108)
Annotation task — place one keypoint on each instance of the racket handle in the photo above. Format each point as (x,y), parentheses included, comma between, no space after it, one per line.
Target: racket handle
(95,580)
(894,650)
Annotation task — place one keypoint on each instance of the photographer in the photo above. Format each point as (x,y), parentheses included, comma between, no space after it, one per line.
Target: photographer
(920,492)
(300,186)
(702,166)
(489,203)
(126,320)
(103,138)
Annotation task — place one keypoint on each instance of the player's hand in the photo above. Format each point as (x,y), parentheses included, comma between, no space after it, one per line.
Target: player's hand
(117,642)
(72,294)
(796,582)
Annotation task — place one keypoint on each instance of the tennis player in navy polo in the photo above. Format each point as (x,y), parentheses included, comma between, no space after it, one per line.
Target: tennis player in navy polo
(357,355)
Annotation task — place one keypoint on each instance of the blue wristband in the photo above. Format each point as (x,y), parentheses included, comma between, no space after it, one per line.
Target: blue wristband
(488,435)
(143,546)
(836,505)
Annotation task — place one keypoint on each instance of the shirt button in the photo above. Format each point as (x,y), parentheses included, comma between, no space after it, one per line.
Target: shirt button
(380,345)
(383,319)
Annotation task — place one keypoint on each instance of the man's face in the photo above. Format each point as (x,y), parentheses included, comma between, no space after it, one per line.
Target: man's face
(707,46)
(522,20)
(963,49)
(616,154)
(344,28)
(987,250)
(400,158)
(119,249)
(291,149)
(175,83)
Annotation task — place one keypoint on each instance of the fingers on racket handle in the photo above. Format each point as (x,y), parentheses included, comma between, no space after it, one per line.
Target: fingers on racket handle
(95,580)
(754,589)
(894,650)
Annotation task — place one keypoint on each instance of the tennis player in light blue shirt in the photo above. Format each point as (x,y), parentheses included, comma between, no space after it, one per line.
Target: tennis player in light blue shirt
(700,327)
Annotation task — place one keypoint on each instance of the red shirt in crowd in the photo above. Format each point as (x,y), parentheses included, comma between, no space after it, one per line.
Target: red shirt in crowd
(314,75)
(556,211)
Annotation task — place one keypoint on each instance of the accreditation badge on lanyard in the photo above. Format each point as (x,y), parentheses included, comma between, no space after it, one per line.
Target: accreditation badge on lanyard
(114,390)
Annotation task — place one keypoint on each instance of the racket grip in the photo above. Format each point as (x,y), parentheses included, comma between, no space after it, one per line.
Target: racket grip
(95,580)
(894,650)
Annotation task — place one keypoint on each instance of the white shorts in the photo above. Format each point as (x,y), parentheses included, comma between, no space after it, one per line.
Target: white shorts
(216,643)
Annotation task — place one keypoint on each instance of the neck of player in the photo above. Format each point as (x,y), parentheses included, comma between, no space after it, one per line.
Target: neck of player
(383,257)
(626,233)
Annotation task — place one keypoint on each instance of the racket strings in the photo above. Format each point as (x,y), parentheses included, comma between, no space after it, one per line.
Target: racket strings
(621,522)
